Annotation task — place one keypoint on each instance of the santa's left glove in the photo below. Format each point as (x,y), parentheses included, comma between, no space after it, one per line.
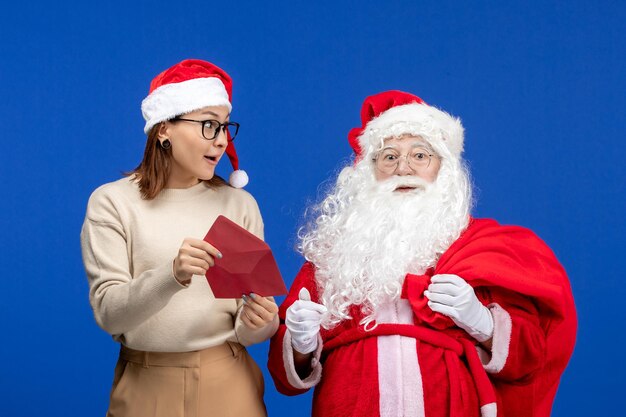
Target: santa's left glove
(452,296)
(303,319)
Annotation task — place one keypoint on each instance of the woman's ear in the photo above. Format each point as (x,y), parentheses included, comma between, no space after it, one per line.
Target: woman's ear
(164,130)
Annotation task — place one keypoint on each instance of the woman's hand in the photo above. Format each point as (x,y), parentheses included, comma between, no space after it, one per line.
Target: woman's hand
(195,257)
(258,311)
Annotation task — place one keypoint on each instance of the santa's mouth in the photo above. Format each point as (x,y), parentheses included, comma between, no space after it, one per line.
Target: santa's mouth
(405,188)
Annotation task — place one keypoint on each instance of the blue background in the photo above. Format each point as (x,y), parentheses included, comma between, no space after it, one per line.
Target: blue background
(540,87)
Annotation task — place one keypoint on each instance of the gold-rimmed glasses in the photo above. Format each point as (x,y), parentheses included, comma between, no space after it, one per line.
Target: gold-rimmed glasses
(388,160)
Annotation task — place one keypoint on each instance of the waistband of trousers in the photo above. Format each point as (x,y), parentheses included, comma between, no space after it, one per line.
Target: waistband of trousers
(192,359)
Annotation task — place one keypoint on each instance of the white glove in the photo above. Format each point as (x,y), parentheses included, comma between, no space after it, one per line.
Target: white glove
(452,296)
(303,320)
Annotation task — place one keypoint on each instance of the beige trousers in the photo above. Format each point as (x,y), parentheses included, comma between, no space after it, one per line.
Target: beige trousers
(221,381)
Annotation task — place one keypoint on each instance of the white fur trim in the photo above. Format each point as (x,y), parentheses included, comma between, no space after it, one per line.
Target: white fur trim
(502,327)
(397,312)
(238,178)
(171,100)
(401,392)
(489,410)
(436,126)
(399,375)
(290,368)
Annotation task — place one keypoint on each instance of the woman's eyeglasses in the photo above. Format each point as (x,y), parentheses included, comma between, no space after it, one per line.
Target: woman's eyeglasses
(212,128)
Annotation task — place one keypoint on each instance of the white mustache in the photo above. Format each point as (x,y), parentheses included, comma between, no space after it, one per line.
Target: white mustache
(396,182)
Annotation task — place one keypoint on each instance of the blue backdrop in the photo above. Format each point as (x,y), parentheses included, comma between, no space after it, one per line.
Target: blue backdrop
(540,87)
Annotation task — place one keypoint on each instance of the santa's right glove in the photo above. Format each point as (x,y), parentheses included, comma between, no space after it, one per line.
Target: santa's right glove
(303,319)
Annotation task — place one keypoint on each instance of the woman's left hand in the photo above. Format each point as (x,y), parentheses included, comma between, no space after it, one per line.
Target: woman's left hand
(257,311)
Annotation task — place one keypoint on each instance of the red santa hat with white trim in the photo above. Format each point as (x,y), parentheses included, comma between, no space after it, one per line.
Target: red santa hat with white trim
(188,86)
(395,113)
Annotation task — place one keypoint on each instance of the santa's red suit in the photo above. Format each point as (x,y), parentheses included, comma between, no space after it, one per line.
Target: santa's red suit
(416,362)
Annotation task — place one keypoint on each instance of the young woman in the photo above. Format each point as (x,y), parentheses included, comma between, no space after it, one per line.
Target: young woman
(182,350)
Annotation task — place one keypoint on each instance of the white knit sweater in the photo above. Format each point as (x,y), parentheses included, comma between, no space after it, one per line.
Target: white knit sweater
(128,247)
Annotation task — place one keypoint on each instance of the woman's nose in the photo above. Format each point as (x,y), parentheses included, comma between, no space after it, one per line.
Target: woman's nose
(221,139)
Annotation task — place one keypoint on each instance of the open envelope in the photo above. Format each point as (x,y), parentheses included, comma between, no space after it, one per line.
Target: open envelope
(247,264)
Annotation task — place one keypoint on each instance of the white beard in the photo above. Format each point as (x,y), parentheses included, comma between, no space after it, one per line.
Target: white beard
(367,236)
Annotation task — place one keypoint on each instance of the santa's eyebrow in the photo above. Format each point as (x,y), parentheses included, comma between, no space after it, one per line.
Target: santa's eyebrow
(415,144)
(421,143)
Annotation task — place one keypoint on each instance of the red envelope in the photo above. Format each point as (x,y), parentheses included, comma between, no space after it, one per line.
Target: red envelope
(247,263)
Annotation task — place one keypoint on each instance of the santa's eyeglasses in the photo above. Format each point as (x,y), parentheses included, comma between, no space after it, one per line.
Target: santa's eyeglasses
(387,161)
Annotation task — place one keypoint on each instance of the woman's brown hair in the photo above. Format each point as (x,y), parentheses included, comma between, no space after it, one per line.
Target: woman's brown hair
(154,170)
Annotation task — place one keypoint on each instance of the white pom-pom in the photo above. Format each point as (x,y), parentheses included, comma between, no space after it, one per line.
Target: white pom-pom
(238,179)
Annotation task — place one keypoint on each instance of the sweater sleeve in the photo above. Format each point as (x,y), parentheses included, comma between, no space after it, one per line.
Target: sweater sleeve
(252,222)
(518,345)
(247,336)
(120,301)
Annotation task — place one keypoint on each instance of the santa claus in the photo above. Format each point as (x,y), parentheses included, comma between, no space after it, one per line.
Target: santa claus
(408,306)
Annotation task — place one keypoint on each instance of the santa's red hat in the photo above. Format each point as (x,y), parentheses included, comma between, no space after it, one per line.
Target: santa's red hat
(188,86)
(395,113)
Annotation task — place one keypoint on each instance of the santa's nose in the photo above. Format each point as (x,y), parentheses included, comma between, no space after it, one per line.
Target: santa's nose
(403,167)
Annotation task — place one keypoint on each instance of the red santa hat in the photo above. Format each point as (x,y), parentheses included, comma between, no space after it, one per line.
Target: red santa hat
(188,86)
(395,113)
